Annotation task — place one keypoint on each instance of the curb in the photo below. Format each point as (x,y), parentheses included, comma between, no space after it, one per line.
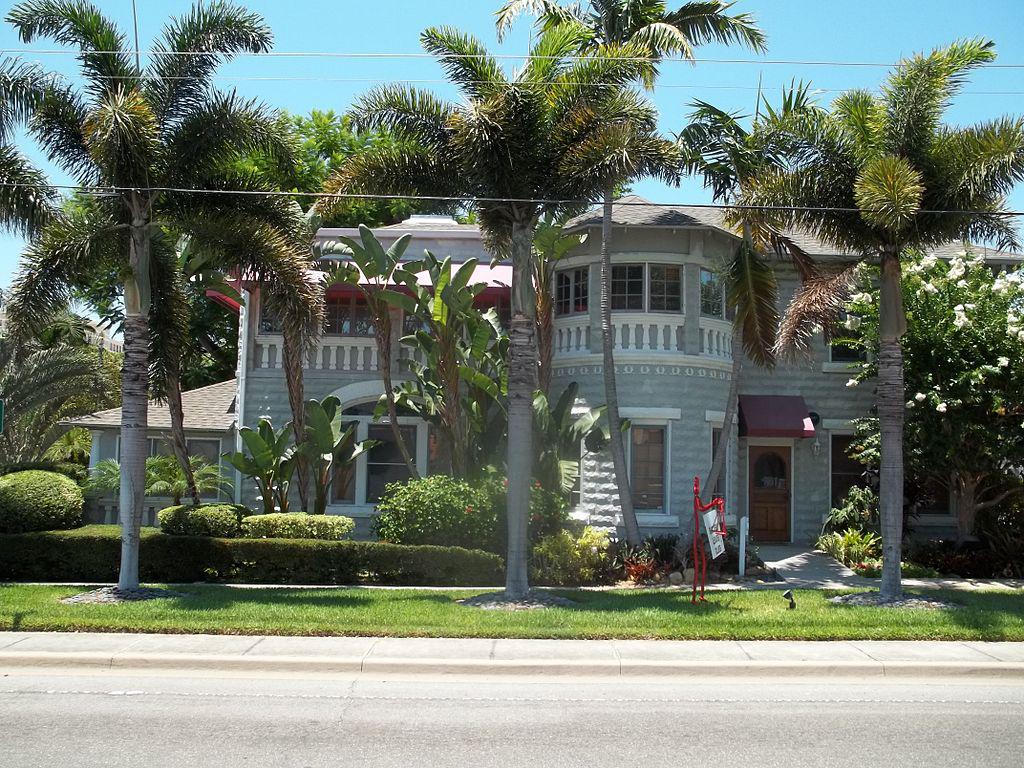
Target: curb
(326,665)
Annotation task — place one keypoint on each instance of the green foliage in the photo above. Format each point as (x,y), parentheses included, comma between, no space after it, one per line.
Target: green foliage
(564,560)
(76,472)
(268,462)
(851,546)
(91,554)
(872,569)
(36,500)
(164,477)
(558,434)
(858,511)
(329,445)
(297,525)
(443,510)
(222,520)
(437,510)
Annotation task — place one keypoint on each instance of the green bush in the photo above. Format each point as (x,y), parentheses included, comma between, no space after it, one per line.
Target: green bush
(223,520)
(851,546)
(563,560)
(37,500)
(297,525)
(858,510)
(437,510)
(91,554)
(448,512)
(77,472)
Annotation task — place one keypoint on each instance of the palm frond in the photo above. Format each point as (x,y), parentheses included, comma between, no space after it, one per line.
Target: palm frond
(26,202)
(752,292)
(548,12)
(814,307)
(465,60)
(709,22)
(404,111)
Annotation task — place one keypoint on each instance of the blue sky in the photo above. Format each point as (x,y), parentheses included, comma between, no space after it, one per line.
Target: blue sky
(806,30)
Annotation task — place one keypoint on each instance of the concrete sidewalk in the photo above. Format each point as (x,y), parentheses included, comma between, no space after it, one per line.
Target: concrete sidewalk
(258,655)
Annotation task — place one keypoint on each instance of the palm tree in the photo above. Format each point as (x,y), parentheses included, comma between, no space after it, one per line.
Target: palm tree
(879,176)
(658,32)
(550,246)
(729,156)
(555,130)
(134,137)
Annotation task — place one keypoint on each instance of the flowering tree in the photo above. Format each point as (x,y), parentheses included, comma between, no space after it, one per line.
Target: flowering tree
(964,351)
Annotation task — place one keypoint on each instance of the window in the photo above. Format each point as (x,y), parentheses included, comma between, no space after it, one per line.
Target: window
(571,291)
(666,288)
(847,353)
(347,316)
(647,287)
(716,435)
(628,286)
(647,468)
(206,448)
(269,322)
(384,463)
(846,472)
(712,294)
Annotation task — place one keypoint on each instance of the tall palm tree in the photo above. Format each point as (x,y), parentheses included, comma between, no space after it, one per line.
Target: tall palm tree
(880,175)
(554,130)
(729,156)
(658,32)
(135,137)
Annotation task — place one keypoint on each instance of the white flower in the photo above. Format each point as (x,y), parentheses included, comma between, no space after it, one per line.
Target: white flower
(961,283)
(920,397)
(853,323)
(930,288)
(851,383)
(862,298)
(957,269)
(1002,362)
(941,407)
(910,403)
(928,262)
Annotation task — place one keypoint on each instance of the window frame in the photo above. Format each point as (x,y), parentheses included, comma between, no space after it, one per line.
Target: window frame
(573,275)
(646,288)
(666,430)
(860,355)
(350,301)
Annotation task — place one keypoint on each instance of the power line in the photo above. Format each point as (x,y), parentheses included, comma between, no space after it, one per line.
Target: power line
(496,56)
(110,190)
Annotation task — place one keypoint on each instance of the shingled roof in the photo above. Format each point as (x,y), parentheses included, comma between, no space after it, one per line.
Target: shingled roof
(208,409)
(636,211)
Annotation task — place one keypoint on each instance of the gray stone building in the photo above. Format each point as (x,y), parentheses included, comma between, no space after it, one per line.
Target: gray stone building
(787,460)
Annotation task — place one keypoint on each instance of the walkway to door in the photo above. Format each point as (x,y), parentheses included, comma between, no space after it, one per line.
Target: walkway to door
(804,568)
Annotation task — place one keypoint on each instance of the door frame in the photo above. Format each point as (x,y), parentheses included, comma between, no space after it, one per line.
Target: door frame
(773,442)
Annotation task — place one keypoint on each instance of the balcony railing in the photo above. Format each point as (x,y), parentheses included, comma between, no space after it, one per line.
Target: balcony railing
(332,353)
(716,338)
(632,332)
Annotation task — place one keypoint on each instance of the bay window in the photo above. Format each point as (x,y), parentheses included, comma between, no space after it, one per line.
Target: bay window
(572,291)
(647,288)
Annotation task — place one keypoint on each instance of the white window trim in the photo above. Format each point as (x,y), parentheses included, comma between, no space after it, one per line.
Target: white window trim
(724,316)
(647,288)
(666,507)
(572,290)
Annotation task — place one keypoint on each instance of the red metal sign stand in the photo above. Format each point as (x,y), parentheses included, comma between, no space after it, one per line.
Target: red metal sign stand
(700,555)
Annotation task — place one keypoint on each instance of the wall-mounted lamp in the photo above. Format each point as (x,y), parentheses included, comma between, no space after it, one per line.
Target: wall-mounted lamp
(816,446)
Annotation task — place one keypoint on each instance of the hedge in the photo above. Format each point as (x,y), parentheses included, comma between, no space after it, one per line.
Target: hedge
(37,500)
(205,520)
(297,525)
(92,554)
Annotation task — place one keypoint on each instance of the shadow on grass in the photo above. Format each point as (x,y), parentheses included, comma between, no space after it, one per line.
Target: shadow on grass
(628,602)
(223,598)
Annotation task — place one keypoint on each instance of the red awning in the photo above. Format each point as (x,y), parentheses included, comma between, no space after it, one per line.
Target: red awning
(774,416)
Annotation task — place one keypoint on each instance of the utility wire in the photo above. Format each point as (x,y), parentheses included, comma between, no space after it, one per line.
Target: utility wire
(497,56)
(107,191)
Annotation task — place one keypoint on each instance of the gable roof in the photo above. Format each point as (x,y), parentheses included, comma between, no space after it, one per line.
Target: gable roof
(210,408)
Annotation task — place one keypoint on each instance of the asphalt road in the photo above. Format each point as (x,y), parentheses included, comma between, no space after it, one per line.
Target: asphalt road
(109,720)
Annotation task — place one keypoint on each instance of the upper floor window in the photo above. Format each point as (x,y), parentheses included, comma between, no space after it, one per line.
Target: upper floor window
(269,321)
(712,294)
(647,287)
(841,352)
(572,291)
(347,315)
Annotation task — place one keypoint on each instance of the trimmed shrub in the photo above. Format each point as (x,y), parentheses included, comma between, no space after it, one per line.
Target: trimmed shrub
(297,525)
(563,560)
(91,554)
(223,520)
(437,510)
(77,472)
(851,546)
(37,500)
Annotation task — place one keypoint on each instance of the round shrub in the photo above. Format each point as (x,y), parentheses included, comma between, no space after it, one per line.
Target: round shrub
(297,525)
(436,510)
(37,500)
(563,560)
(220,520)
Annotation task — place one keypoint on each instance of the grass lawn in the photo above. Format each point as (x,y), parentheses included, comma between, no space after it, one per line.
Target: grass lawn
(428,613)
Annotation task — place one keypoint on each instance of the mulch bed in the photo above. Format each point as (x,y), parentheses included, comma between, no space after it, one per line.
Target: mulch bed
(115,595)
(875,600)
(499,601)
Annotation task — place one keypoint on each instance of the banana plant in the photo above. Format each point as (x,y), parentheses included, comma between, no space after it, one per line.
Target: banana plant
(375,273)
(269,461)
(560,433)
(329,445)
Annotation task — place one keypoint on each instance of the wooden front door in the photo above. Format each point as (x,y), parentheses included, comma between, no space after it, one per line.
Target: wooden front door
(769,499)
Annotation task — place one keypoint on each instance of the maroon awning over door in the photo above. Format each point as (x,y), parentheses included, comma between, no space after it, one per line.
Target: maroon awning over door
(774,416)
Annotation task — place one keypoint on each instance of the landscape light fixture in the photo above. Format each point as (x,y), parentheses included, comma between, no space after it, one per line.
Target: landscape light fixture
(788,595)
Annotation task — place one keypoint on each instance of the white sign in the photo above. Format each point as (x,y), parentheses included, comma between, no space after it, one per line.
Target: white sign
(716,542)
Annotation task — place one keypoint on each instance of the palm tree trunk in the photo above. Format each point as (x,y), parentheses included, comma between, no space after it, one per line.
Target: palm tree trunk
(292,356)
(891,405)
(382,335)
(611,395)
(178,441)
(522,382)
(134,401)
(545,327)
(731,405)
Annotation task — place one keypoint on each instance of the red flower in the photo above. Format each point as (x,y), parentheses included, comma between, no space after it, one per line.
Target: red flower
(469,510)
